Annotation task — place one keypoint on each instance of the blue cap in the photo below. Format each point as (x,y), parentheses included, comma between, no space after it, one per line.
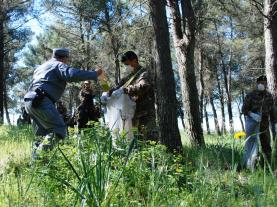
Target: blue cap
(60,52)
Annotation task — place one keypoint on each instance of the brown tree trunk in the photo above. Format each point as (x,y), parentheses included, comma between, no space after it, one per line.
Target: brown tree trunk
(6,105)
(207,117)
(270,36)
(114,44)
(1,66)
(184,43)
(201,71)
(221,100)
(216,124)
(166,94)
(229,98)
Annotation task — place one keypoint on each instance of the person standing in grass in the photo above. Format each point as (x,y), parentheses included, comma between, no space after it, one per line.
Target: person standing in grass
(258,108)
(48,84)
(139,86)
(87,111)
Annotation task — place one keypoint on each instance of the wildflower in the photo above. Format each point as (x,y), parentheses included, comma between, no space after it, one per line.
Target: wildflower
(240,135)
(179,170)
(152,143)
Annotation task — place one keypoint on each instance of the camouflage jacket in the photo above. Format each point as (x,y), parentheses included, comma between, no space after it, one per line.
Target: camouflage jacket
(141,91)
(257,101)
(86,94)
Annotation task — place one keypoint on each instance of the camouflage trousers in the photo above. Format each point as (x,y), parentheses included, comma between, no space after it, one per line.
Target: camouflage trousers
(147,127)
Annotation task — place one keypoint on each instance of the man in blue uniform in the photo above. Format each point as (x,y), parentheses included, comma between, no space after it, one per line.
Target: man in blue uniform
(48,84)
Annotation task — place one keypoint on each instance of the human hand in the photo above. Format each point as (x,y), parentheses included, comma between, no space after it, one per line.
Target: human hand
(118,92)
(104,98)
(256,117)
(99,72)
(110,91)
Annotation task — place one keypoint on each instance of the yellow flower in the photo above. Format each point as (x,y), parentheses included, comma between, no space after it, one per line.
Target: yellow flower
(179,170)
(240,135)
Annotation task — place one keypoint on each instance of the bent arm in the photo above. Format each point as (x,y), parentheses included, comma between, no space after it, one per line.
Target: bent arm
(141,87)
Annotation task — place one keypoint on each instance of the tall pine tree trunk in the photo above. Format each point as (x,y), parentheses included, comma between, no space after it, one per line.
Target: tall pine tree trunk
(201,72)
(229,98)
(221,100)
(270,36)
(166,93)
(184,43)
(206,117)
(114,43)
(1,67)
(6,104)
(216,124)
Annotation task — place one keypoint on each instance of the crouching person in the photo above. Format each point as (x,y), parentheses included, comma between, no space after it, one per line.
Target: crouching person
(48,84)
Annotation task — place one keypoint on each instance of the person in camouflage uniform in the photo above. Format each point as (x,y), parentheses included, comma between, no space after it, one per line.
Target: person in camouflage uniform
(259,109)
(86,111)
(139,86)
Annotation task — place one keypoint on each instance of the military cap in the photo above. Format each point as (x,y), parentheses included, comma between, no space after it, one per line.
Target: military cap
(261,78)
(60,52)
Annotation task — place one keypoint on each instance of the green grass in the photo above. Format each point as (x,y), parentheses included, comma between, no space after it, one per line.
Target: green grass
(89,171)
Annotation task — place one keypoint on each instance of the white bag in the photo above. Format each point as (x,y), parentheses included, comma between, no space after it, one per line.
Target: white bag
(119,115)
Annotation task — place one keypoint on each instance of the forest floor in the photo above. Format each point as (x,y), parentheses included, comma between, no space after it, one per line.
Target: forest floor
(88,170)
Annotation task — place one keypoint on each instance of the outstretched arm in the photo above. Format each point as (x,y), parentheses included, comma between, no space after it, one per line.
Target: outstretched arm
(74,75)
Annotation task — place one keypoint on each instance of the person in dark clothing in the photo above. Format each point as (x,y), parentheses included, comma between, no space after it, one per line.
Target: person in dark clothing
(87,111)
(259,111)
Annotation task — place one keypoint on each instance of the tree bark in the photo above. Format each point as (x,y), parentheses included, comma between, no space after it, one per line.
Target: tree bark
(270,36)
(201,71)
(216,124)
(114,43)
(1,66)
(221,100)
(166,94)
(229,97)
(6,105)
(184,42)
(207,117)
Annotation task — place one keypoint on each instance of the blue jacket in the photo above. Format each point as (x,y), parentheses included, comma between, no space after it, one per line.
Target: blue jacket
(52,77)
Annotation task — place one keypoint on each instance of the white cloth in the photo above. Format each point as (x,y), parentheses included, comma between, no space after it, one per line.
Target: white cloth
(118,92)
(120,112)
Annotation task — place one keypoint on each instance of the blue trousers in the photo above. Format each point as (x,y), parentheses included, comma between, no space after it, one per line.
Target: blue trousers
(251,145)
(46,119)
